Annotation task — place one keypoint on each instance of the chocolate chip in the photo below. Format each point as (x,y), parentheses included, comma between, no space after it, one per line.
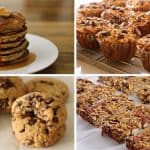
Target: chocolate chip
(30,114)
(6,83)
(120,36)
(30,142)
(3,103)
(49,101)
(23,130)
(105,33)
(55,119)
(46,131)
(42,121)
(19,103)
(55,110)
(124,31)
(32,122)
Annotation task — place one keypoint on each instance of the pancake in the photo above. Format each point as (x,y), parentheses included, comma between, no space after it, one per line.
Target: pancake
(4,46)
(13,22)
(14,36)
(4,58)
(22,46)
(19,59)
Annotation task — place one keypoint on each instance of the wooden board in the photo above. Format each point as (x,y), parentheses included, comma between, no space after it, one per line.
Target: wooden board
(97,59)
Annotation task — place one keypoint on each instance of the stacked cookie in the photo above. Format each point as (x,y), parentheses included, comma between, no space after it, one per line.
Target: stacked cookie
(13,44)
(38,109)
(114,27)
(106,105)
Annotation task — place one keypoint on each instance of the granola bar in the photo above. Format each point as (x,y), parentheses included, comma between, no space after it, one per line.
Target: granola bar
(106,108)
(121,126)
(140,140)
(144,94)
(86,99)
(83,85)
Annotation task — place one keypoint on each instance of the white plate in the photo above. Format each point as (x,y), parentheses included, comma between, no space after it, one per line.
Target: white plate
(46,54)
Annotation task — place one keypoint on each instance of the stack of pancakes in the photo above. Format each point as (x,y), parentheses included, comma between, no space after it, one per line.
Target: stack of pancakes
(13,44)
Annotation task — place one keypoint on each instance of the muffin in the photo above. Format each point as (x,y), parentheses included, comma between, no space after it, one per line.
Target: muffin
(120,3)
(92,9)
(87,27)
(116,14)
(117,44)
(13,44)
(142,5)
(143,46)
(140,23)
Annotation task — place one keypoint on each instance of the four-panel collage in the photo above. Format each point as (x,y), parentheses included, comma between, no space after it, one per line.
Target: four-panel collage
(74,75)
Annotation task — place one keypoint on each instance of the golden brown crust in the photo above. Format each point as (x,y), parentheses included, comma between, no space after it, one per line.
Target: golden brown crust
(14,22)
(92,9)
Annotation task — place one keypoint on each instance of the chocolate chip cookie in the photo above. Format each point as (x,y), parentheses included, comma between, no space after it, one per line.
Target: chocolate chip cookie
(10,89)
(38,120)
(50,86)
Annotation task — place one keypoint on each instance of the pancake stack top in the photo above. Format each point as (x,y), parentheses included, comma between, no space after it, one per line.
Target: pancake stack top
(13,44)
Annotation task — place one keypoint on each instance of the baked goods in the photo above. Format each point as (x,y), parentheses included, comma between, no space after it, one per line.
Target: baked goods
(114,113)
(142,5)
(49,86)
(38,120)
(139,140)
(140,23)
(116,15)
(92,9)
(114,27)
(143,46)
(100,111)
(121,126)
(10,89)
(144,94)
(120,3)
(117,44)
(87,29)
(88,98)
(13,44)
(84,85)
(125,84)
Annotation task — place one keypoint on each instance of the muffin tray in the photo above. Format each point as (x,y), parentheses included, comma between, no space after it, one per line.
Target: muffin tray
(97,59)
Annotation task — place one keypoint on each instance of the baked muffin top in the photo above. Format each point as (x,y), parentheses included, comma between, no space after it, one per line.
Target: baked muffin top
(142,5)
(91,24)
(116,34)
(11,21)
(144,43)
(117,14)
(140,19)
(120,3)
(89,9)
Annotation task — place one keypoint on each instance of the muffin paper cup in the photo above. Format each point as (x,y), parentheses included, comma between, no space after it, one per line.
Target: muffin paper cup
(87,40)
(118,51)
(145,59)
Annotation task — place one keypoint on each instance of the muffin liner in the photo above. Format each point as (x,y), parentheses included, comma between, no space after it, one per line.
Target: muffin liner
(118,51)
(143,9)
(145,29)
(87,40)
(91,13)
(145,59)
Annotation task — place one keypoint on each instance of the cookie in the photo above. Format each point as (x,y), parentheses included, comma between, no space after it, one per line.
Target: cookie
(38,120)
(50,86)
(10,89)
